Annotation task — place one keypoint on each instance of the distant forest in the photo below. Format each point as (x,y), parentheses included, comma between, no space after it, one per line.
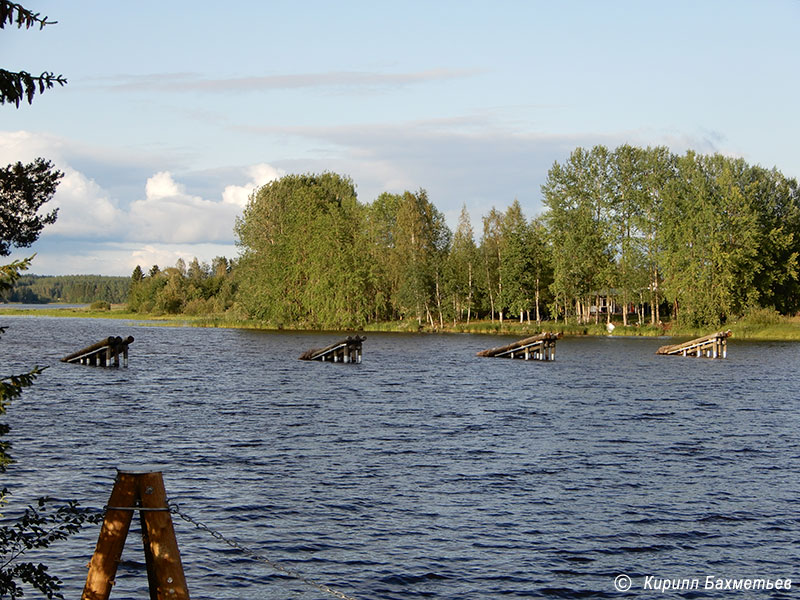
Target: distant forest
(638,234)
(69,289)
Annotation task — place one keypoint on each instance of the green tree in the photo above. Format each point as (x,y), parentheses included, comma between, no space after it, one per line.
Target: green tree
(541,271)
(82,289)
(144,290)
(422,242)
(491,253)
(172,296)
(301,239)
(516,267)
(24,189)
(660,168)
(463,268)
(710,240)
(384,265)
(629,274)
(776,200)
(577,221)
(712,235)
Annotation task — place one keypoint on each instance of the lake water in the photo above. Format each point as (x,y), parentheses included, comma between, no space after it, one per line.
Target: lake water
(425,471)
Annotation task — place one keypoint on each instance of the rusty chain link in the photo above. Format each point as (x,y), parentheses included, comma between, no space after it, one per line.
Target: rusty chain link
(175,509)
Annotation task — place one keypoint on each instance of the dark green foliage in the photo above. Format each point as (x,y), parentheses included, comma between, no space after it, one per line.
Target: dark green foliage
(11,386)
(70,289)
(16,86)
(197,290)
(710,234)
(23,191)
(302,240)
(37,528)
(12,13)
(699,238)
(463,268)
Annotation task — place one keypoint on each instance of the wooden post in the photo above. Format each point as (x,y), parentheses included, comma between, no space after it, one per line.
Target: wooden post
(142,491)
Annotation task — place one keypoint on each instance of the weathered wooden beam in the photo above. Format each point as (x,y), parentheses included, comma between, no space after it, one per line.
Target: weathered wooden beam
(713,345)
(90,349)
(102,352)
(542,344)
(347,350)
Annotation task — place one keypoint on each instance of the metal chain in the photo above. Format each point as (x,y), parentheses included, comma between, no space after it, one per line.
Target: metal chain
(174,508)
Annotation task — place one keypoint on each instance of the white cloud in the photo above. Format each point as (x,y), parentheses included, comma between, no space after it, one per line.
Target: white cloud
(84,208)
(161,185)
(97,232)
(168,214)
(260,175)
(24,146)
(77,257)
(191,82)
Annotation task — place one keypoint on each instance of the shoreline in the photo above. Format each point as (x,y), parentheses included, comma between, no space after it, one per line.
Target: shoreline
(784,329)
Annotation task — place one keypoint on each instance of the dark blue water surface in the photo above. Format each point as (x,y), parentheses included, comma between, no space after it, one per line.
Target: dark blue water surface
(425,471)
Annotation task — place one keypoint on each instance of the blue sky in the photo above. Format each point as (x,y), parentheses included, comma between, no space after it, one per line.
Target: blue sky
(175,111)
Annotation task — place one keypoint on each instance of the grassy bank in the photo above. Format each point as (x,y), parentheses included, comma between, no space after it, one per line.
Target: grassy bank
(761,325)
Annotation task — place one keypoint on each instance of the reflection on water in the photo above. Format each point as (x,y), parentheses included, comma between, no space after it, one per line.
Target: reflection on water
(425,471)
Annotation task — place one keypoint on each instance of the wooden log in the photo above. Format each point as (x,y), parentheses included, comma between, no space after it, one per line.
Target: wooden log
(102,352)
(90,349)
(699,346)
(343,351)
(543,338)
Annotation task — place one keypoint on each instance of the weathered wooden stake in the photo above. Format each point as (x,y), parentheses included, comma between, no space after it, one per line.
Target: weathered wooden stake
(142,491)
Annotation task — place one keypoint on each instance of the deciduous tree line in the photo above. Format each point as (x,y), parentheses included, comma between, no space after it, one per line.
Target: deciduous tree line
(195,290)
(710,235)
(640,232)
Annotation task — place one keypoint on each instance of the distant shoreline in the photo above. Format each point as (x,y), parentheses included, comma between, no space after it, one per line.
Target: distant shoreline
(784,329)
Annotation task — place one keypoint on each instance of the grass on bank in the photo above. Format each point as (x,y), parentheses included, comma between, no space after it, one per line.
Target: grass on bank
(760,324)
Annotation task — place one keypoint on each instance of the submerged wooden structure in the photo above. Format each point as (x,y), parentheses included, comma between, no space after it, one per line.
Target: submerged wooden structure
(142,492)
(104,353)
(537,347)
(710,346)
(346,351)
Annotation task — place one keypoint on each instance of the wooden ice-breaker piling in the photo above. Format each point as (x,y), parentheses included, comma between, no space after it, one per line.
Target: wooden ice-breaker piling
(346,351)
(104,353)
(537,347)
(710,346)
(141,491)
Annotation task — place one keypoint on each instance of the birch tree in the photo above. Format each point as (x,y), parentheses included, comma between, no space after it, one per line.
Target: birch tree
(464,266)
